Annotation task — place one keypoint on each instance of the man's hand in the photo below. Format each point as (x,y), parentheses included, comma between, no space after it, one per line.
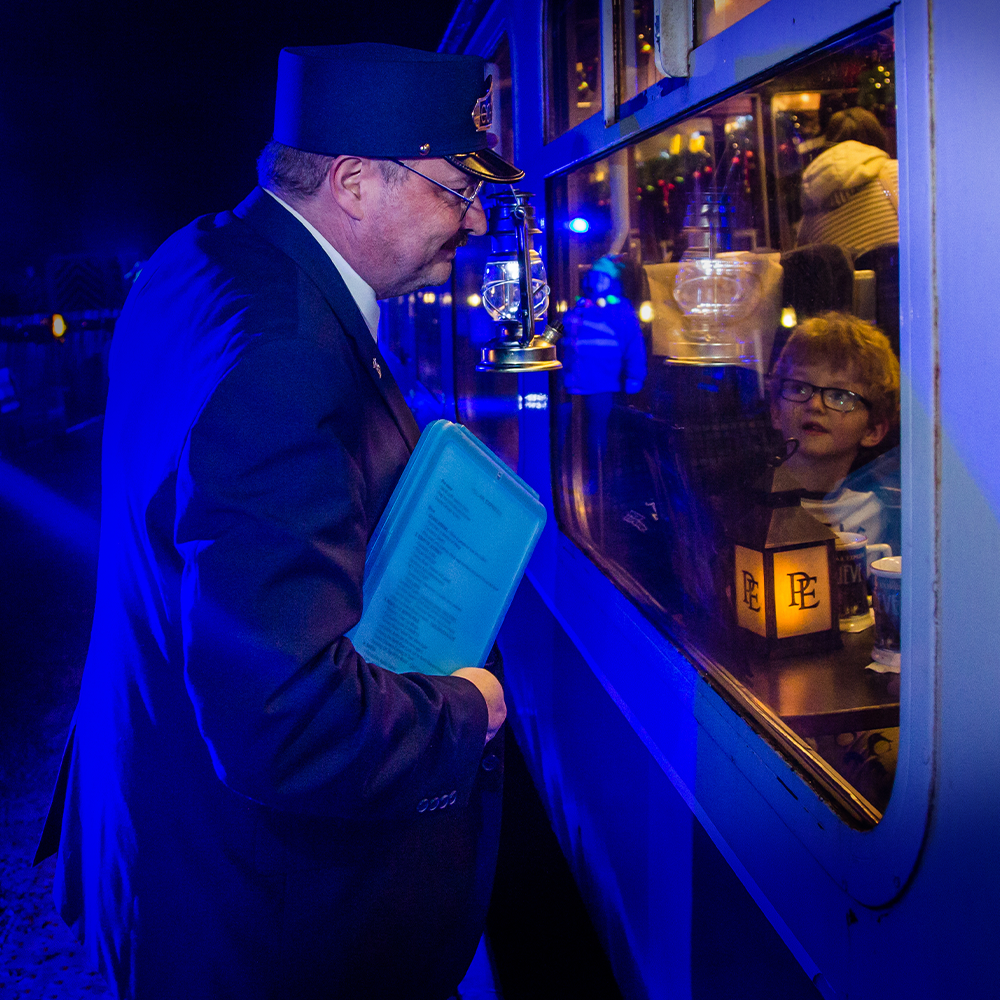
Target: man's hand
(491,690)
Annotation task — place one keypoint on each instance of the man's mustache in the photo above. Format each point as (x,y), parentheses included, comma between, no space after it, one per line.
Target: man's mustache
(458,240)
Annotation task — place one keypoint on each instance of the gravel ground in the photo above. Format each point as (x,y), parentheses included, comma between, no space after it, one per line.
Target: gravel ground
(39,956)
(48,528)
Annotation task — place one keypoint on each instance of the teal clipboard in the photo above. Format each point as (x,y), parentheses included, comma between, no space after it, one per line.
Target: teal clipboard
(446,557)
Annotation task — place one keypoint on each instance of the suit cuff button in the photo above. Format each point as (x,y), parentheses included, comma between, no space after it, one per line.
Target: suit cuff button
(422,806)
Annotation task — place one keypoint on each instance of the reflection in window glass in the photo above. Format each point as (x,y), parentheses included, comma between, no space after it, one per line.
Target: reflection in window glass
(498,67)
(727,417)
(572,63)
(636,57)
(487,401)
(714,16)
(410,330)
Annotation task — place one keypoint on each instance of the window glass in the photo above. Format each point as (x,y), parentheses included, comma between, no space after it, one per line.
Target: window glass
(572,63)
(411,328)
(487,401)
(713,16)
(636,57)
(396,329)
(498,67)
(726,421)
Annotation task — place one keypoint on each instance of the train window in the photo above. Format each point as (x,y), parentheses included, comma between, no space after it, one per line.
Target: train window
(572,63)
(498,67)
(411,325)
(713,16)
(487,402)
(726,422)
(636,67)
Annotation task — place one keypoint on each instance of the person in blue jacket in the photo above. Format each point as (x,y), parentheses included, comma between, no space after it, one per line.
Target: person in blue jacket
(247,808)
(603,353)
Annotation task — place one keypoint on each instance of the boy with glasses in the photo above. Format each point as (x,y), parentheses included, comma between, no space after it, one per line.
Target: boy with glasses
(835,393)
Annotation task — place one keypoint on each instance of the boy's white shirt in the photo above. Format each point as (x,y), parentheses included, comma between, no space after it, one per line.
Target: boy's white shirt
(848,510)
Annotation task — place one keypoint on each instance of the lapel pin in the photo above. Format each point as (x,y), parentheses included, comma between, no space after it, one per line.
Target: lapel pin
(377,366)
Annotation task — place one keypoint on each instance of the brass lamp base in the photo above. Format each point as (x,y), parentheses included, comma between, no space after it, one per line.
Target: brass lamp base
(508,354)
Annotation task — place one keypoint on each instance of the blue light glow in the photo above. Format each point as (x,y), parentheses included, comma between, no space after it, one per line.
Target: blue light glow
(578,225)
(62,518)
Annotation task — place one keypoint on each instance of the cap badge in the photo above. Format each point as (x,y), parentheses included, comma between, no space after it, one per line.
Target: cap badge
(482,111)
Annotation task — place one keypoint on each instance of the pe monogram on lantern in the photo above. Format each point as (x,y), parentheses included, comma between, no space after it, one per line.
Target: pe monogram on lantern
(784,587)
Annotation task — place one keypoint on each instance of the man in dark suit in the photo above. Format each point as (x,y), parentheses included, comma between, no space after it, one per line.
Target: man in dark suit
(247,808)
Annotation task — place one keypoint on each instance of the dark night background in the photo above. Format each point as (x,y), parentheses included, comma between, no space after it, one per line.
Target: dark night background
(121,122)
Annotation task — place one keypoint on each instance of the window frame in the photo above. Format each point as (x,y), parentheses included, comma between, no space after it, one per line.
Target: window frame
(492,33)
(871,864)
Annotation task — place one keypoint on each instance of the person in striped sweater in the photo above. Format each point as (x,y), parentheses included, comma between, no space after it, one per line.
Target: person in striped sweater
(850,192)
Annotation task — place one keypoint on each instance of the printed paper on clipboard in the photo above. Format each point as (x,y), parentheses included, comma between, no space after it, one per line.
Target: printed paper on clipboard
(446,557)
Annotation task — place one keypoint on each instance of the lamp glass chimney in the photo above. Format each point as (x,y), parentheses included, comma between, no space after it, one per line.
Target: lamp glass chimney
(515,274)
(502,291)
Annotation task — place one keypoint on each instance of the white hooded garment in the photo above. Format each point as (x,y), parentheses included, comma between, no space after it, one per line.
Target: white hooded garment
(850,196)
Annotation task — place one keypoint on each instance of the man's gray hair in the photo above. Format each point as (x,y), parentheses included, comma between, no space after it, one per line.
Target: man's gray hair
(298,174)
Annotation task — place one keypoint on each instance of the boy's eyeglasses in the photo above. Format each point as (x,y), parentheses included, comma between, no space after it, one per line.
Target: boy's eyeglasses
(467,199)
(840,400)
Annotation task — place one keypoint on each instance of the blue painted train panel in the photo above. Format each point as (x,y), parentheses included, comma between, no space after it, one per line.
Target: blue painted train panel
(633,748)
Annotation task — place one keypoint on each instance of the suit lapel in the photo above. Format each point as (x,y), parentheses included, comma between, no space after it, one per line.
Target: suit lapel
(282,229)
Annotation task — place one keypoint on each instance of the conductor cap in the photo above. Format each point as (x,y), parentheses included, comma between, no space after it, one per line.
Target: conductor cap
(386,101)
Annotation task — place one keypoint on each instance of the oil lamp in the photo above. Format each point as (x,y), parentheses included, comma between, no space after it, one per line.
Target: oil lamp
(784,586)
(513,277)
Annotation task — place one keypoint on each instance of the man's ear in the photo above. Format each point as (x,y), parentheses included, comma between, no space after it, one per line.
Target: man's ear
(875,433)
(345,184)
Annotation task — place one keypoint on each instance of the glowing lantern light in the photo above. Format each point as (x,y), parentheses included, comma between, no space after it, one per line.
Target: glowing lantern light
(784,587)
(58,326)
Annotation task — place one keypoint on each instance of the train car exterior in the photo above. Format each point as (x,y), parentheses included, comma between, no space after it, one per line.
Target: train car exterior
(858,808)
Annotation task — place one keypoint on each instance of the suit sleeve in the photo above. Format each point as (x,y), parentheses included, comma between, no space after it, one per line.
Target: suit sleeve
(272,528)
